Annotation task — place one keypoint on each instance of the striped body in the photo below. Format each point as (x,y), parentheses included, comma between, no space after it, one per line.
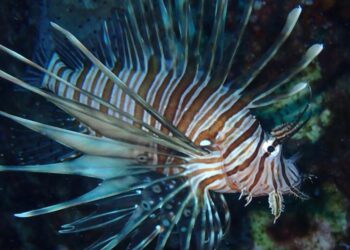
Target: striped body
(199,111)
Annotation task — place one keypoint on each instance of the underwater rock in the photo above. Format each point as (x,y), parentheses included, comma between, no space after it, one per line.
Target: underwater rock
(318,123)
(333,161)
(314,224)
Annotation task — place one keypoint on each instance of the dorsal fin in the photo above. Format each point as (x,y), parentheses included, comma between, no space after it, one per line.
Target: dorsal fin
(155,58)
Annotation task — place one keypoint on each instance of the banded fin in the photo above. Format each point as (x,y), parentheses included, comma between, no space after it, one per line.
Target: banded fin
(25,60)
(122,85)
(70,107)
(33,76)
(199,222)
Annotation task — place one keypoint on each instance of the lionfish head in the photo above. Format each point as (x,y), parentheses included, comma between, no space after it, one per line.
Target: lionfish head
(279,174)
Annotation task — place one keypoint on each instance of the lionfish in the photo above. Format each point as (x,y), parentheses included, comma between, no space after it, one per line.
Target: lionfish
(169,129)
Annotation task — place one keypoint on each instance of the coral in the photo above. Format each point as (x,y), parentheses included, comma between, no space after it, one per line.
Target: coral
(334,211)
(318,122)
(321,115)
(320,239)
(259,221)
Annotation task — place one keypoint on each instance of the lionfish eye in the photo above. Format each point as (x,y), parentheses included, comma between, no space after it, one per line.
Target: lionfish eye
(143,158)
(270,149)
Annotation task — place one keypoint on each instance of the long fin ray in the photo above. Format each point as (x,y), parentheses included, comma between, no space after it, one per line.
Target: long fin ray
(251,74)
(67,53)
(159,49)
(217,225)
(84,143)
(106,189)
(223,211)
(199,33)
(118,130)
(233,51)
(129,181)
(309,56)
(143,51)
(201,239)
(140,244)
(150,204)
(218,27)
(106,214)
(272,99)
(97,221)
(186,224)
(92,166)
(211,232)
(134,57)
(140,218)
(64,81)
(168,229)
(25,147)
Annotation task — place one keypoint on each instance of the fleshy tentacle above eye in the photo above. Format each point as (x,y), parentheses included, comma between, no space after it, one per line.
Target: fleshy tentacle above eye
(287,130)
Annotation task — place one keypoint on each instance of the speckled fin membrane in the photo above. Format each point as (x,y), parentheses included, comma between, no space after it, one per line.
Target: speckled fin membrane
(25,147)
(149,49)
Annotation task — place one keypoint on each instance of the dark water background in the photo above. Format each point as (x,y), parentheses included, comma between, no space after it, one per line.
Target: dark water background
(319,223)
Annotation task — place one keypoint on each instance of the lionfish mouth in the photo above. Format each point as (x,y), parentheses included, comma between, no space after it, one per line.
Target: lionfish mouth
(154,96)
